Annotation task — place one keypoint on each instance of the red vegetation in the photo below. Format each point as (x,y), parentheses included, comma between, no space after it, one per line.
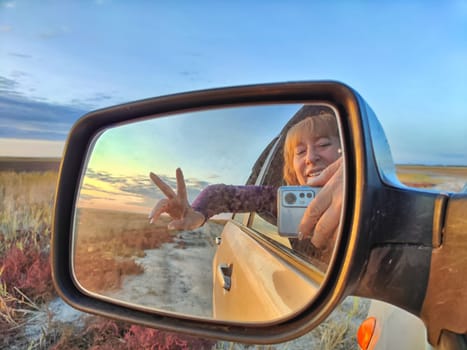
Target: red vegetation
(147,338)
(102,334)
(25,273)
(27,268)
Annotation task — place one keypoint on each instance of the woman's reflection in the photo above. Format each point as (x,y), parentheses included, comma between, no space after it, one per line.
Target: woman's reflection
(312,157)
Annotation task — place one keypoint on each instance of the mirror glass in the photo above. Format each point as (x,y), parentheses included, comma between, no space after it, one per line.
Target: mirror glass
(193,214)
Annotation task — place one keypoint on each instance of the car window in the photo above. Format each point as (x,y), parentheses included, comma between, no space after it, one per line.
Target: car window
(268,171)
(268,229)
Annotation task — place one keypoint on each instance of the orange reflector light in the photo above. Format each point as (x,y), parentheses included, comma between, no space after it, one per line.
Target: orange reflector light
(365,332)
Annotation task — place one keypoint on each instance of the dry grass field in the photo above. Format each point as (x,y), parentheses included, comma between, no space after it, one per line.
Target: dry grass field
(29,164)
(452,178)
(108,241)
(27,320)
(26,291)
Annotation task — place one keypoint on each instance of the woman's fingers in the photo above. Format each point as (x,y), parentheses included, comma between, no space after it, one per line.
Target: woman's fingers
(158,209)
(177,225)
(325,227)
(181,187)
(314,212)
(322,216)
(166,189)
(191,221)
(326,174)
(176,205)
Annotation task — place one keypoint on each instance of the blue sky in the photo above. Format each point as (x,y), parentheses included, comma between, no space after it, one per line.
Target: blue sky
(61,59)
(205,149)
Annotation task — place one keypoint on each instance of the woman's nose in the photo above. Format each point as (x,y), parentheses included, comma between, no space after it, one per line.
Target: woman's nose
(312,156)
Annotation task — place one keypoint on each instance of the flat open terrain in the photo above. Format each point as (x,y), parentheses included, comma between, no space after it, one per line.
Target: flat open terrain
(125,258)
(121,255)
(446,178)
(412,175)
(29,164)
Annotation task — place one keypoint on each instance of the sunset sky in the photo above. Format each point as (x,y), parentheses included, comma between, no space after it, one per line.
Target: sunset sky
(204,149)
(62,59)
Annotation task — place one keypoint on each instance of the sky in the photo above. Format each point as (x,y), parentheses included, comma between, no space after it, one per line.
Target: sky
(117,171)
(62,59)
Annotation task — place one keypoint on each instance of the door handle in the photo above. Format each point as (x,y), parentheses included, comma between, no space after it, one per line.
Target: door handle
(224,273)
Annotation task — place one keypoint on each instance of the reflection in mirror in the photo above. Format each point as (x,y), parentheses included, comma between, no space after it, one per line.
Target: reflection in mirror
(191,214)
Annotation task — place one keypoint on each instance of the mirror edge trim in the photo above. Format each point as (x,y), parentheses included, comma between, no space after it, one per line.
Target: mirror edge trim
(340,95)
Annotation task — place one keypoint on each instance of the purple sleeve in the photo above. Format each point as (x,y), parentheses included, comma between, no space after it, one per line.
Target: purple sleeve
(216,199)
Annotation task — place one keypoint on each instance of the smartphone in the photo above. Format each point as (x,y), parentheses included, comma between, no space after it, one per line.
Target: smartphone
(292,202)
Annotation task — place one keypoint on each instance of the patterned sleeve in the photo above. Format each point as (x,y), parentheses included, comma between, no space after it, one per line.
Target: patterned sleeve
(216,199)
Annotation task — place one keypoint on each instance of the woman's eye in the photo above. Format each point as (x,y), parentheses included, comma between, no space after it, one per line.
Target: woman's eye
(299,151)
(323,144)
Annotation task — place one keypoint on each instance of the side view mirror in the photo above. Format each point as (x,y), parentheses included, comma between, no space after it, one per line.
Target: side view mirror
(285,201)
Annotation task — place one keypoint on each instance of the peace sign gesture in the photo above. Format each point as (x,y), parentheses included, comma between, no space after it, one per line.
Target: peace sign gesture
(176,205)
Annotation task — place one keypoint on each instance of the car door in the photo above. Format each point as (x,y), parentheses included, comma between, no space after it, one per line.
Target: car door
(254,279)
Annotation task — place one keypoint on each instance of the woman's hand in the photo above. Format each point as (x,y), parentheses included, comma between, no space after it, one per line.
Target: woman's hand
(176,205)
(321,218)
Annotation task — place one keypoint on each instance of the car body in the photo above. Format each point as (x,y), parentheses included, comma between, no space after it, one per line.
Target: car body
(397,328)
(261,278)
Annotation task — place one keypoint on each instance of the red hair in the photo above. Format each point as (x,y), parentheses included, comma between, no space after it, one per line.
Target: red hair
(312,127)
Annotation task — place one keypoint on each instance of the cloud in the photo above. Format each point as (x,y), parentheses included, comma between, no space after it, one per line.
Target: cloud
(19,74)
(35,117)
(59,131)
(99,99)
(10,4)
(5,29)
(8,84)
(54,33)
(214,176)
(22,117)
(196,184)
(190,75)
(104,176)
(20,55)
(133,187)
(139,185)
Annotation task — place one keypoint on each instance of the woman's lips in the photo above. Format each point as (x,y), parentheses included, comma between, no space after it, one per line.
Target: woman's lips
(314,174)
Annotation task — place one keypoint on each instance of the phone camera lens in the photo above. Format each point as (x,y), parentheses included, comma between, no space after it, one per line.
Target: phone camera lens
(308,195)
(302,195)
(290,198)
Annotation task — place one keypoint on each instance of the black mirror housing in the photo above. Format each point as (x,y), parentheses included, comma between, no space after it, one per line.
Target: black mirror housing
(389,230)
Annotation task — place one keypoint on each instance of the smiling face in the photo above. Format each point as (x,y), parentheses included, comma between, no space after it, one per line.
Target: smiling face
(312,156)
(310,146)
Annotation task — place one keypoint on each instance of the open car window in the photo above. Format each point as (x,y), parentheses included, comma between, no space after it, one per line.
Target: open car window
(268,171)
